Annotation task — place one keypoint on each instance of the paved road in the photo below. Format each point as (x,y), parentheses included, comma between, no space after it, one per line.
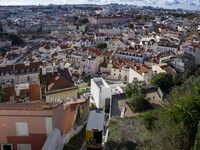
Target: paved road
(116,105)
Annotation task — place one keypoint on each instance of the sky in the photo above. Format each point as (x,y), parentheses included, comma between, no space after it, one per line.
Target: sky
(184,4)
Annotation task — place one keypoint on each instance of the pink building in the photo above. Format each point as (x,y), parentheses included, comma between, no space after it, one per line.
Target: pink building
(25,126)
(90,64)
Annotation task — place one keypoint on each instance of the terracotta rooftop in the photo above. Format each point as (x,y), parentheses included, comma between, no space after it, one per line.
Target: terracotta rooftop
(28,106)
(108,53)
(168,69)
(21,68)
(59,80)
(141,68)
(120,63)
(64,46)
(47,47)
(95,51)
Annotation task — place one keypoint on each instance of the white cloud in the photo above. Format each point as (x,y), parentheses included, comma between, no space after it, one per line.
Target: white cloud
(161,3)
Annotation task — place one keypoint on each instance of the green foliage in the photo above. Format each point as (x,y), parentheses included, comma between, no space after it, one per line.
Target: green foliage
(75,18)
(149,120)
(101,45)
(136,92)
(123,133)
(138,102)
(131,130)
(83,21)
(175,126)
(163,80)
(130,26)
(93,8)
(188,15)
(134,88)
(184,106)
(1,92)
(145,17)
(15,39)
(3,51)
(197,139)
(185,110)
(86,77)
(166,134)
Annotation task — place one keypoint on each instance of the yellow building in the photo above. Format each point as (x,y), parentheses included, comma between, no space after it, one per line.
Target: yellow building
(63,94)
(94,129)
(85,89)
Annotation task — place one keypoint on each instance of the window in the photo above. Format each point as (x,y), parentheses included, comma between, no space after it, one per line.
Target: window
(28,78)
(22,129)
(24,146)
(6,146)
(2,81)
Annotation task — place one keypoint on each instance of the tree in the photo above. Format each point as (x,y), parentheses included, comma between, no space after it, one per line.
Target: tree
(136,92)
(134,88)
(139,103)
(83,21)
(15,39)
(75,18)
(197,139)
(149,120)
(163,80)
(184,107)
(130,26)
(101,45)
(3,51)
(86,77)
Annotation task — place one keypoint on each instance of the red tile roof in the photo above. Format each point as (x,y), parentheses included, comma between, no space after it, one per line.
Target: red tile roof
(95,51)
(58,80)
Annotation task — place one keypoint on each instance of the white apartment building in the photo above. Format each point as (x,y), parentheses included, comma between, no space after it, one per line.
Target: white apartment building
(85,43)
(19,74)
(121,74)
(140,72)
(102,90)
(115,44)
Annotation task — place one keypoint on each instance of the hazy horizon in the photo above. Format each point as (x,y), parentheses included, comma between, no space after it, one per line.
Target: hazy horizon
(173,4)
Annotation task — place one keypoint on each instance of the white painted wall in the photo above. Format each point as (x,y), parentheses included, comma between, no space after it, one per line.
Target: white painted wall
(120,72)
(95,91)
(134,75)
(100,94)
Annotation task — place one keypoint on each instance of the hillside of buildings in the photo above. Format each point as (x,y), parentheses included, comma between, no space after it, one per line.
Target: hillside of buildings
(135,67)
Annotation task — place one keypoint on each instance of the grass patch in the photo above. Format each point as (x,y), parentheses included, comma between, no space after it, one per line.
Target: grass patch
(147,131)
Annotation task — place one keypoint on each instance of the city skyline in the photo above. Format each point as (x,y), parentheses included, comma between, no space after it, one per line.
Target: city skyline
(183,4)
